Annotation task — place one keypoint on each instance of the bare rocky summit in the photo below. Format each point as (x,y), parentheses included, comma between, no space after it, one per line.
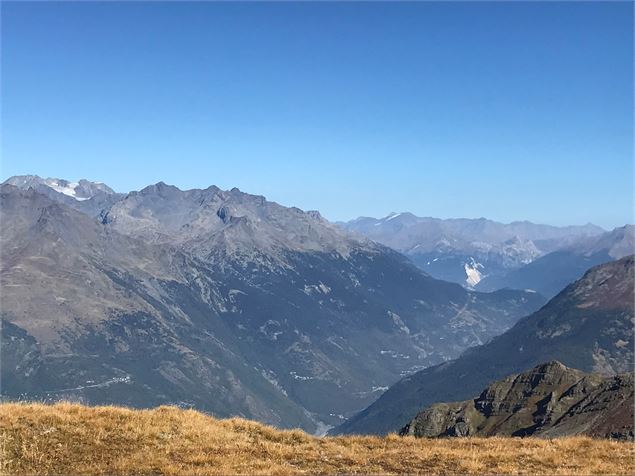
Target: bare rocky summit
(550,400)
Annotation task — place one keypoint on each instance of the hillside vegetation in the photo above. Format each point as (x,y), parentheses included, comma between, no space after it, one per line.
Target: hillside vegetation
(73,439)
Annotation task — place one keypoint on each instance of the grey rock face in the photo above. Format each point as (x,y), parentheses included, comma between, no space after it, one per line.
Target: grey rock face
(549,400)
(223,301)
(206,221)
(588,326)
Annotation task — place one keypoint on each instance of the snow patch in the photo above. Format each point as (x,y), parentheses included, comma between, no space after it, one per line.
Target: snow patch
(472,272)
(68,190)
(391,216)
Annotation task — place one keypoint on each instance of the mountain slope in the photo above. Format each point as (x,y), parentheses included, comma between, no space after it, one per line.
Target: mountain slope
(223,301)
(588,326)
(549,400)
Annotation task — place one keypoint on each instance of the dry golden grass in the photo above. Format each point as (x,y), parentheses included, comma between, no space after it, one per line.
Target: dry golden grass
(73,439)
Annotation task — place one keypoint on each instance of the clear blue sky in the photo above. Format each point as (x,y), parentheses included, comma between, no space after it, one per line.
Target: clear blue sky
(504,110)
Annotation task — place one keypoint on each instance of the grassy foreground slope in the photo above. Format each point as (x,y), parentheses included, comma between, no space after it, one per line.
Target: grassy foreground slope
(73,439)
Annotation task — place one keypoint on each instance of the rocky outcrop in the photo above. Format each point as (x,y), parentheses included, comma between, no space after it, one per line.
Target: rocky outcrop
(550,400)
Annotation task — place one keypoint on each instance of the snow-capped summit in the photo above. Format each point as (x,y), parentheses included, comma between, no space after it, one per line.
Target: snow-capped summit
(81,190)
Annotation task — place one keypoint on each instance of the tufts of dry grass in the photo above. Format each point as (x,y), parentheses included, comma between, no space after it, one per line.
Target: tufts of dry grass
(73,439)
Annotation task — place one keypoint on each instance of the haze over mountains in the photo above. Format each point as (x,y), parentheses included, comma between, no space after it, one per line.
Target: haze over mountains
(219,300)
(486,255)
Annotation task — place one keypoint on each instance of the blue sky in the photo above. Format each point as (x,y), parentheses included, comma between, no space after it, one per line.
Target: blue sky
(506,110)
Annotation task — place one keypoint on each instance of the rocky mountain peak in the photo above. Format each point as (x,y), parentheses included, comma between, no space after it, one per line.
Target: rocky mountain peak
(211,219)
(160,188)
(537,382)
(314,214)
(553,367)
(548,400)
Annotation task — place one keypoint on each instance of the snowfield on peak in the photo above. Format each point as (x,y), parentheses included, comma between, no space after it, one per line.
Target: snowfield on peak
(67,188)
(80,190)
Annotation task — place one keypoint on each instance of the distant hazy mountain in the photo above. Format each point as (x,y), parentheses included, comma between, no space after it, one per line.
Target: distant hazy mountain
(219,300)
(550,400)
(549,274)
(466,251)
(588,326)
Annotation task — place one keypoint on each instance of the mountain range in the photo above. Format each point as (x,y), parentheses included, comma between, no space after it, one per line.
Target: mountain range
(486,255)
(550,273)
(219,300)
(588,326)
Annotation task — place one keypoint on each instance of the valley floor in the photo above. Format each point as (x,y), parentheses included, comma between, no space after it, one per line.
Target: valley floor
(73,439)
